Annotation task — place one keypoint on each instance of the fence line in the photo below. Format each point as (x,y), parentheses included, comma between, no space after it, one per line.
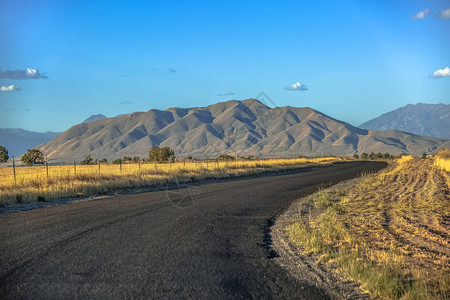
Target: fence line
(58,170)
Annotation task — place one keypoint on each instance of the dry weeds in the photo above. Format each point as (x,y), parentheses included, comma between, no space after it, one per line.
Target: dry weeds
(390,231)
(33,184)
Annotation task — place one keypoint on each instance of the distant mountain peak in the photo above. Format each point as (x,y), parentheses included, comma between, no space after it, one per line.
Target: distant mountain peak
(94,117)
(421,119)
(17,141)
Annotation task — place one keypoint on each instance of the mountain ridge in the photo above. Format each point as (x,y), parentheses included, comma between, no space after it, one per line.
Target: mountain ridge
(17,140)
(421,119)
(94,117)
(246,127)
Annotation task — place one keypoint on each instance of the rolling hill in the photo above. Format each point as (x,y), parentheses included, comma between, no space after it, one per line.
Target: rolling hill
(422,119)
(17,141)
(245,127)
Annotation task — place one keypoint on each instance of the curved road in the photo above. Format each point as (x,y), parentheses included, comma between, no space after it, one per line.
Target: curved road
(207,241)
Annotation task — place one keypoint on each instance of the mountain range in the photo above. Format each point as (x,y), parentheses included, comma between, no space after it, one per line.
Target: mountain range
(421,119)
(17,141)
(246,127)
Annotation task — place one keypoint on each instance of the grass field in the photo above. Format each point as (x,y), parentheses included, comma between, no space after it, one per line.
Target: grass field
(389,232)
(33,184)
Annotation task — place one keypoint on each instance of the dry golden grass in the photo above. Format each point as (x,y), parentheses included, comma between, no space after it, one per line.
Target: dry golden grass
(33,184)
(442,159)
(390,231)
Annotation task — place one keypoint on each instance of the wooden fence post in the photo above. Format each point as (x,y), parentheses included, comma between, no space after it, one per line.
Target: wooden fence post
(46,165)
(74,168)
(14,170)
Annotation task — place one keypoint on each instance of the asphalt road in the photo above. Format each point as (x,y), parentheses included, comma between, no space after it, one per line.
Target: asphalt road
(212,244)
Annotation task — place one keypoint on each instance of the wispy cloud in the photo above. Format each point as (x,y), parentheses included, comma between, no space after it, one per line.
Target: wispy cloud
(445,14)
(8,109)
(27,109)
(173,70)
(126,102)
(296,87)
(226,94)
(445,72)
(29,73)
(10,88)
(421,14)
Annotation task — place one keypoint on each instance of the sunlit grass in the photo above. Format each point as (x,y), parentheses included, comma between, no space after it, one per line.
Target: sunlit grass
(404,158)
(389,232)
(35,183)
(442,160)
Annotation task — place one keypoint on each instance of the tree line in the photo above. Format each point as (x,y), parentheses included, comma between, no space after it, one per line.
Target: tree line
(156,154)
(373,155)
(36,157)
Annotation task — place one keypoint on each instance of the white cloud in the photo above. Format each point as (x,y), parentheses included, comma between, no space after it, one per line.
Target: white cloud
(421,14)
(28,73)
(445,14)
(10,88)
(445,72)
(296,87)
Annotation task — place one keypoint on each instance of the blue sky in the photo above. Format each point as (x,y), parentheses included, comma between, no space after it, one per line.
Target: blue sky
(358,59)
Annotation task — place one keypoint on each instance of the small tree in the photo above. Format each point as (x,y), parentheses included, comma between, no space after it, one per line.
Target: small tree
(424,155)
(167,154)
(136,159)
(153,155)
(161,154)
(117,161)
(33,157)
(103,161)
(3,154)
(355,156)
(126,159)
(364,155)
(88,160)
(225,157)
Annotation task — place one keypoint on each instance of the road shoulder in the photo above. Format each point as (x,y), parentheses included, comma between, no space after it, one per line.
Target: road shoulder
(305,266)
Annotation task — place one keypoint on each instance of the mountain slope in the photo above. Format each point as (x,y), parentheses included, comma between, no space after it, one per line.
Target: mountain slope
(17,141)
(245,127)
(421,119)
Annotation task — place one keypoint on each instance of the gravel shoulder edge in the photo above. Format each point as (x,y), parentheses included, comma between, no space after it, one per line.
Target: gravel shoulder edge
(304,266)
